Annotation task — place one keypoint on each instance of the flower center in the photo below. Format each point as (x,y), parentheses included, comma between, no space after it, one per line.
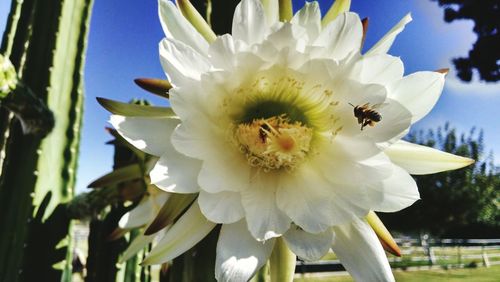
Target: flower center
(274,143)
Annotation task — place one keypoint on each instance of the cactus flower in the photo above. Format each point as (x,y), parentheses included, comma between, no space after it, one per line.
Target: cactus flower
(8,76)
(286,131)
(146,209)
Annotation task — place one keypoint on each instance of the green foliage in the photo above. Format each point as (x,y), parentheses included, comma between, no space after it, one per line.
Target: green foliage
(464,202)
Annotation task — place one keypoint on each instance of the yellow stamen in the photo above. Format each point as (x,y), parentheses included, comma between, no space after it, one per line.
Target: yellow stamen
(274,143)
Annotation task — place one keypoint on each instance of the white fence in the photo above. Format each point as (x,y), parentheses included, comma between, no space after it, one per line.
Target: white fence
(427,254)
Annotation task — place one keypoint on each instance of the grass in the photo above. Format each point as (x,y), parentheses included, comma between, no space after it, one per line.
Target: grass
(481,274)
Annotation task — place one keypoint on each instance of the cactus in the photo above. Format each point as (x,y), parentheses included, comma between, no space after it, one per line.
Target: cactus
(46,43)
(126,183)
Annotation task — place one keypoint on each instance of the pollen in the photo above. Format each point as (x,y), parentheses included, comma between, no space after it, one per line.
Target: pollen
(274,143)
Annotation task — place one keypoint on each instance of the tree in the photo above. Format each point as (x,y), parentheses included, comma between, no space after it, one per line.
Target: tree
(464,202)
(485,54)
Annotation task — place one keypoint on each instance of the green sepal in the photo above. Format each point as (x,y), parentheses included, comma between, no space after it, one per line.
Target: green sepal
(191,14)
(122,174)
(155,86)
(286,10)
(282,262)
(338,7)
(385,237)
(122,141)
(134,110)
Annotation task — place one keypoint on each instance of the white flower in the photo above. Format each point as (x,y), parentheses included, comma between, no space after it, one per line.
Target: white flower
(142,215)
(286,130)
(145,211)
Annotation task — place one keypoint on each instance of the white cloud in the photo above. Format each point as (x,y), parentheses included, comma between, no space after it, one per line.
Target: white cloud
(476,88)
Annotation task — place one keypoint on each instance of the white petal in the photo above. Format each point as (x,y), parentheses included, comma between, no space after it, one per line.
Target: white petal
(138,216)
(144,212)
(176,173)
(285,47)
(309,17)
(379,68)
(223,207)
(249,24)
(196,140)
(418,92)
(418,159)
(351,93)
(399,191)
(306,198)
(271,8)
(184,234)
(345,173)
(177,27)
(226,171)
(139,243)
(149,134)
(308,246)
(361,253)
(263,217)
(239,255)
(384,44)
(348,176)
(341,147)
(222,52)
(342,36)
(395,123)
(288,36)
(181,61)
(321,71)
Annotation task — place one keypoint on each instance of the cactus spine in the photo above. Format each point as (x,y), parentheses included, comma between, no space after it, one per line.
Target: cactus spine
(46,42)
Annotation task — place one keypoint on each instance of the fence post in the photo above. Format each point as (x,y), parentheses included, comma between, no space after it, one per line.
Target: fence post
(425,243)
(486,260)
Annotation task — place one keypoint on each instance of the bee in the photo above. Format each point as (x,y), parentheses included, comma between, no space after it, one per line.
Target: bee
(263,130)
(366,114)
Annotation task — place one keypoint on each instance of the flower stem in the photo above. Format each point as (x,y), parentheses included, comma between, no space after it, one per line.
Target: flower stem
(282,262)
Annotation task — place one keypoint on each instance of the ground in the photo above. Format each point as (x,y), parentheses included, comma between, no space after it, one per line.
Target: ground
(481,274)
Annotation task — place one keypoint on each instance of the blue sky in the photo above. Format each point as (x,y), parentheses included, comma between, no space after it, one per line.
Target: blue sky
(123,45)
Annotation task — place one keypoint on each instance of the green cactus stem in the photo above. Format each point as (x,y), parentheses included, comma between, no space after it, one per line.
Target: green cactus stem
(46,42)
(35,117)
(103,253)
(57,225)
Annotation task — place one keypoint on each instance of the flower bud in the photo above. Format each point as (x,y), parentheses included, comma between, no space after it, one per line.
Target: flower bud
(8,77)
